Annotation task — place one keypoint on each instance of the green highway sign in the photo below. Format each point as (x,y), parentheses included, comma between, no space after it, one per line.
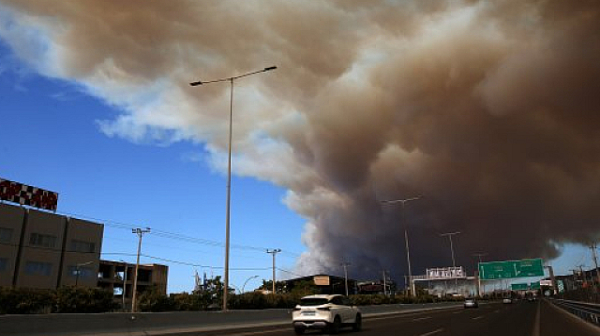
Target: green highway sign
(519,286)
(511,269)
(535,285)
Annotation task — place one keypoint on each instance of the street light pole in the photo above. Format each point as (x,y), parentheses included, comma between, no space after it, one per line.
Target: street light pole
(273,252)
(124,282)
(345,265)
(77,271)
(245,282)
(479,289)
(228,202)
(449,235)
(403,201)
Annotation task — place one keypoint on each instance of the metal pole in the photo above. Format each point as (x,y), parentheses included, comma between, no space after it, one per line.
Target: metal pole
(481,289)
(140,234)
(593,247)
(228,204)
(77,276)
(450,234)
(274,252)
(245,282)
(78,270)
(345,265)
(125,284)
(384,284)
(410,285)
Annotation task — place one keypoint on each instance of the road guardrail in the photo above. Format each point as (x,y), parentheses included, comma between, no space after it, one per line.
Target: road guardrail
(587,311)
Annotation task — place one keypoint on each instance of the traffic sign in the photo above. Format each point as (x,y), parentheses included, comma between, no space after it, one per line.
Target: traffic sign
(519,286)
(535,285)
(511,269)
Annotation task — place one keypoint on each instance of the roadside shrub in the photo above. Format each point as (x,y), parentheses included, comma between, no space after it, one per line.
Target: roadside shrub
(84,300)
(25,301)
(152,300)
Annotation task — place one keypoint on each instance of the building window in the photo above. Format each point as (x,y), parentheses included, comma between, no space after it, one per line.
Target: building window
(5,235)
(43,240)
(38,268)
(3,264)
(82,246)
(84,272)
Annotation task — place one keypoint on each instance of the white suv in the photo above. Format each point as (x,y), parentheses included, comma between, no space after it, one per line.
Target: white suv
(330,312)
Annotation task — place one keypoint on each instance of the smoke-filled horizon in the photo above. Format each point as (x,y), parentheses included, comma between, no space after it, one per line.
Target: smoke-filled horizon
(488,109)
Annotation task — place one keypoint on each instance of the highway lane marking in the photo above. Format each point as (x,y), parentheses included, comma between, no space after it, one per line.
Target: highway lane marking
(477,318)
(258,332)
(422,318)
(536,323)
(432,332)
(396,315)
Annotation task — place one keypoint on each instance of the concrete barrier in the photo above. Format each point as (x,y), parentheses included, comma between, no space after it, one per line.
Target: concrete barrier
(169,322)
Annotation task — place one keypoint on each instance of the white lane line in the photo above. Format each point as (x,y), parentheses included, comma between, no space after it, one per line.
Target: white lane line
(432,332)
(422,318)
(536,322)
(477,318)
(259,332)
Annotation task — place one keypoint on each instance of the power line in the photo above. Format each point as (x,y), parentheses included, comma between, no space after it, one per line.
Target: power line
(200,265)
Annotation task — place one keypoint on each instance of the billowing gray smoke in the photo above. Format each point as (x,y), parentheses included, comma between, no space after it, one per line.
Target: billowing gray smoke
(489,109)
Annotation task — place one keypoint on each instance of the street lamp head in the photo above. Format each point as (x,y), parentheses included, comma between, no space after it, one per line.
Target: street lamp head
(270,68)
(196,83)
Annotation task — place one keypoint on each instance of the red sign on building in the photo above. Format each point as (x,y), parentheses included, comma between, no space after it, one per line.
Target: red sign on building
(28,195)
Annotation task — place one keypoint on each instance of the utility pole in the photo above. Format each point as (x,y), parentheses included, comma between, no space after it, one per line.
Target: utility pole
(140,233)
(273,252)
(345,265)
(593,247)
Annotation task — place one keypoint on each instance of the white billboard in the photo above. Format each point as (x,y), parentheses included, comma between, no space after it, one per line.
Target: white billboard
(445,273)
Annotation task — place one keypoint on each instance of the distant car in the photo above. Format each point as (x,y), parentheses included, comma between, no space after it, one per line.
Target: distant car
(471,303)
(531,299)
(325,312)
(507,300)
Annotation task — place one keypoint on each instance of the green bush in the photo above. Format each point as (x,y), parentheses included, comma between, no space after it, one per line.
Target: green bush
(25,301)
(152,300)
(84,300)
(63,300)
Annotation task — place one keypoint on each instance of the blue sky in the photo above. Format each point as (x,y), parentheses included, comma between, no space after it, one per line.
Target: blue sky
(51,139)
(442,102)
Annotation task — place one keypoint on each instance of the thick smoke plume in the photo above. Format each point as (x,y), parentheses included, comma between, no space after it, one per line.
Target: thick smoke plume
(489,109)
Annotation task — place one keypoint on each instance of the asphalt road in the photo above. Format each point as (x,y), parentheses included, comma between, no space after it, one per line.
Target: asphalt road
(522,318)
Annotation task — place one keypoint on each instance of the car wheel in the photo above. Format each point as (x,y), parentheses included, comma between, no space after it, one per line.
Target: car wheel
(335,327)
(299,331)
(357,326)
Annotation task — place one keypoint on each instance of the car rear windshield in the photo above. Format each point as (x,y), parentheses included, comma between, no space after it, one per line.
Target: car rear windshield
(313,302)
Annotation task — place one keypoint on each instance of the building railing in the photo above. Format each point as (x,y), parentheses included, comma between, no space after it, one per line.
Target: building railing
(587,311)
